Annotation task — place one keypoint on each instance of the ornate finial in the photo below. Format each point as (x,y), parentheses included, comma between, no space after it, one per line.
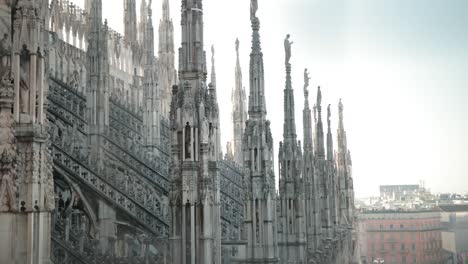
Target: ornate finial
(287,48)
(253,9)
(237,46)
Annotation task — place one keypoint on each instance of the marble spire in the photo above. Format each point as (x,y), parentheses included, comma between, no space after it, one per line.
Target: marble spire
(257,145)
(307,117)
(312,199)
(289,129)
(291,222)
(320,148)
(239,111)
(166,56)
(130,21)
(192,57)
(166,10)
(195,152)
(213,70)
(344,165)
(151,91)
(99,65)
(143,21)
(329,136)
(257,106)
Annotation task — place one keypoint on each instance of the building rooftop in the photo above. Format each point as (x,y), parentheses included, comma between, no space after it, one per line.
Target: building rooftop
(451,208)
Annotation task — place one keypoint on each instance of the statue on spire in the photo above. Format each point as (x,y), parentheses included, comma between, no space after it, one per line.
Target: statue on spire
(237,46)
(319,98)
(328,114)
(340,111)
(287,48)
(340,107)
(253,9)
(306,78)
(212,54)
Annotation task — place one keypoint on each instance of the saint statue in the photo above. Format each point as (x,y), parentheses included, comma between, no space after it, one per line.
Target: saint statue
(212,54)
(24,80)
(5,51)
(319,97)
(328,114)
(253,9)
(287,48)
(306,78)
(340,107)
(340,111)
(237,46)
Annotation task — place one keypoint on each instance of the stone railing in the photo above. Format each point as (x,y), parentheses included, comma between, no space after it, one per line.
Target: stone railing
(328,248)
(69,22)
(154,170)
(67,104)
(72,244)
(67,64)
(232,203)
(65,164)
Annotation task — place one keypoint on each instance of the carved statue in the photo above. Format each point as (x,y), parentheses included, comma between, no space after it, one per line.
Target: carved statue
(340,110)
(237,45)
(5,51)
(306,78)
(205,130)
(328,114)
(319,98)
(24,88)
(212,54)
(253,9)
(287,48)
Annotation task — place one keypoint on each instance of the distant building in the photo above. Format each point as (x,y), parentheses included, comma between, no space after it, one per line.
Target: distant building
(401,237)
(397,192)
(454,220)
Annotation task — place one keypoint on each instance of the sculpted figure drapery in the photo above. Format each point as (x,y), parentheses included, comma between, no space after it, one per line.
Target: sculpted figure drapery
(287,48)
(253,9)
(306,78)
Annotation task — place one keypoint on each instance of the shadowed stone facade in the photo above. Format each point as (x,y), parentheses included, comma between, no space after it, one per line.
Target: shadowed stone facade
(108,154)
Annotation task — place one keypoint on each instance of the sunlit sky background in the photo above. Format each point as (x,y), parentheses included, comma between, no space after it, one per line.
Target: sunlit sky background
(400,66)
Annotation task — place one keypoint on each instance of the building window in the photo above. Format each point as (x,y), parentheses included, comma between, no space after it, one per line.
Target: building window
(391,226)
(373,247)
(403,246)
(402,226)
(402,236)
(372,236)
(413,247)
(382,236)
(382,247)
(393,247)
(403,259)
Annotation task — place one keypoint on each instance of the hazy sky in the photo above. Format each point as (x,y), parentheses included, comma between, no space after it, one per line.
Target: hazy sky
(400,66)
